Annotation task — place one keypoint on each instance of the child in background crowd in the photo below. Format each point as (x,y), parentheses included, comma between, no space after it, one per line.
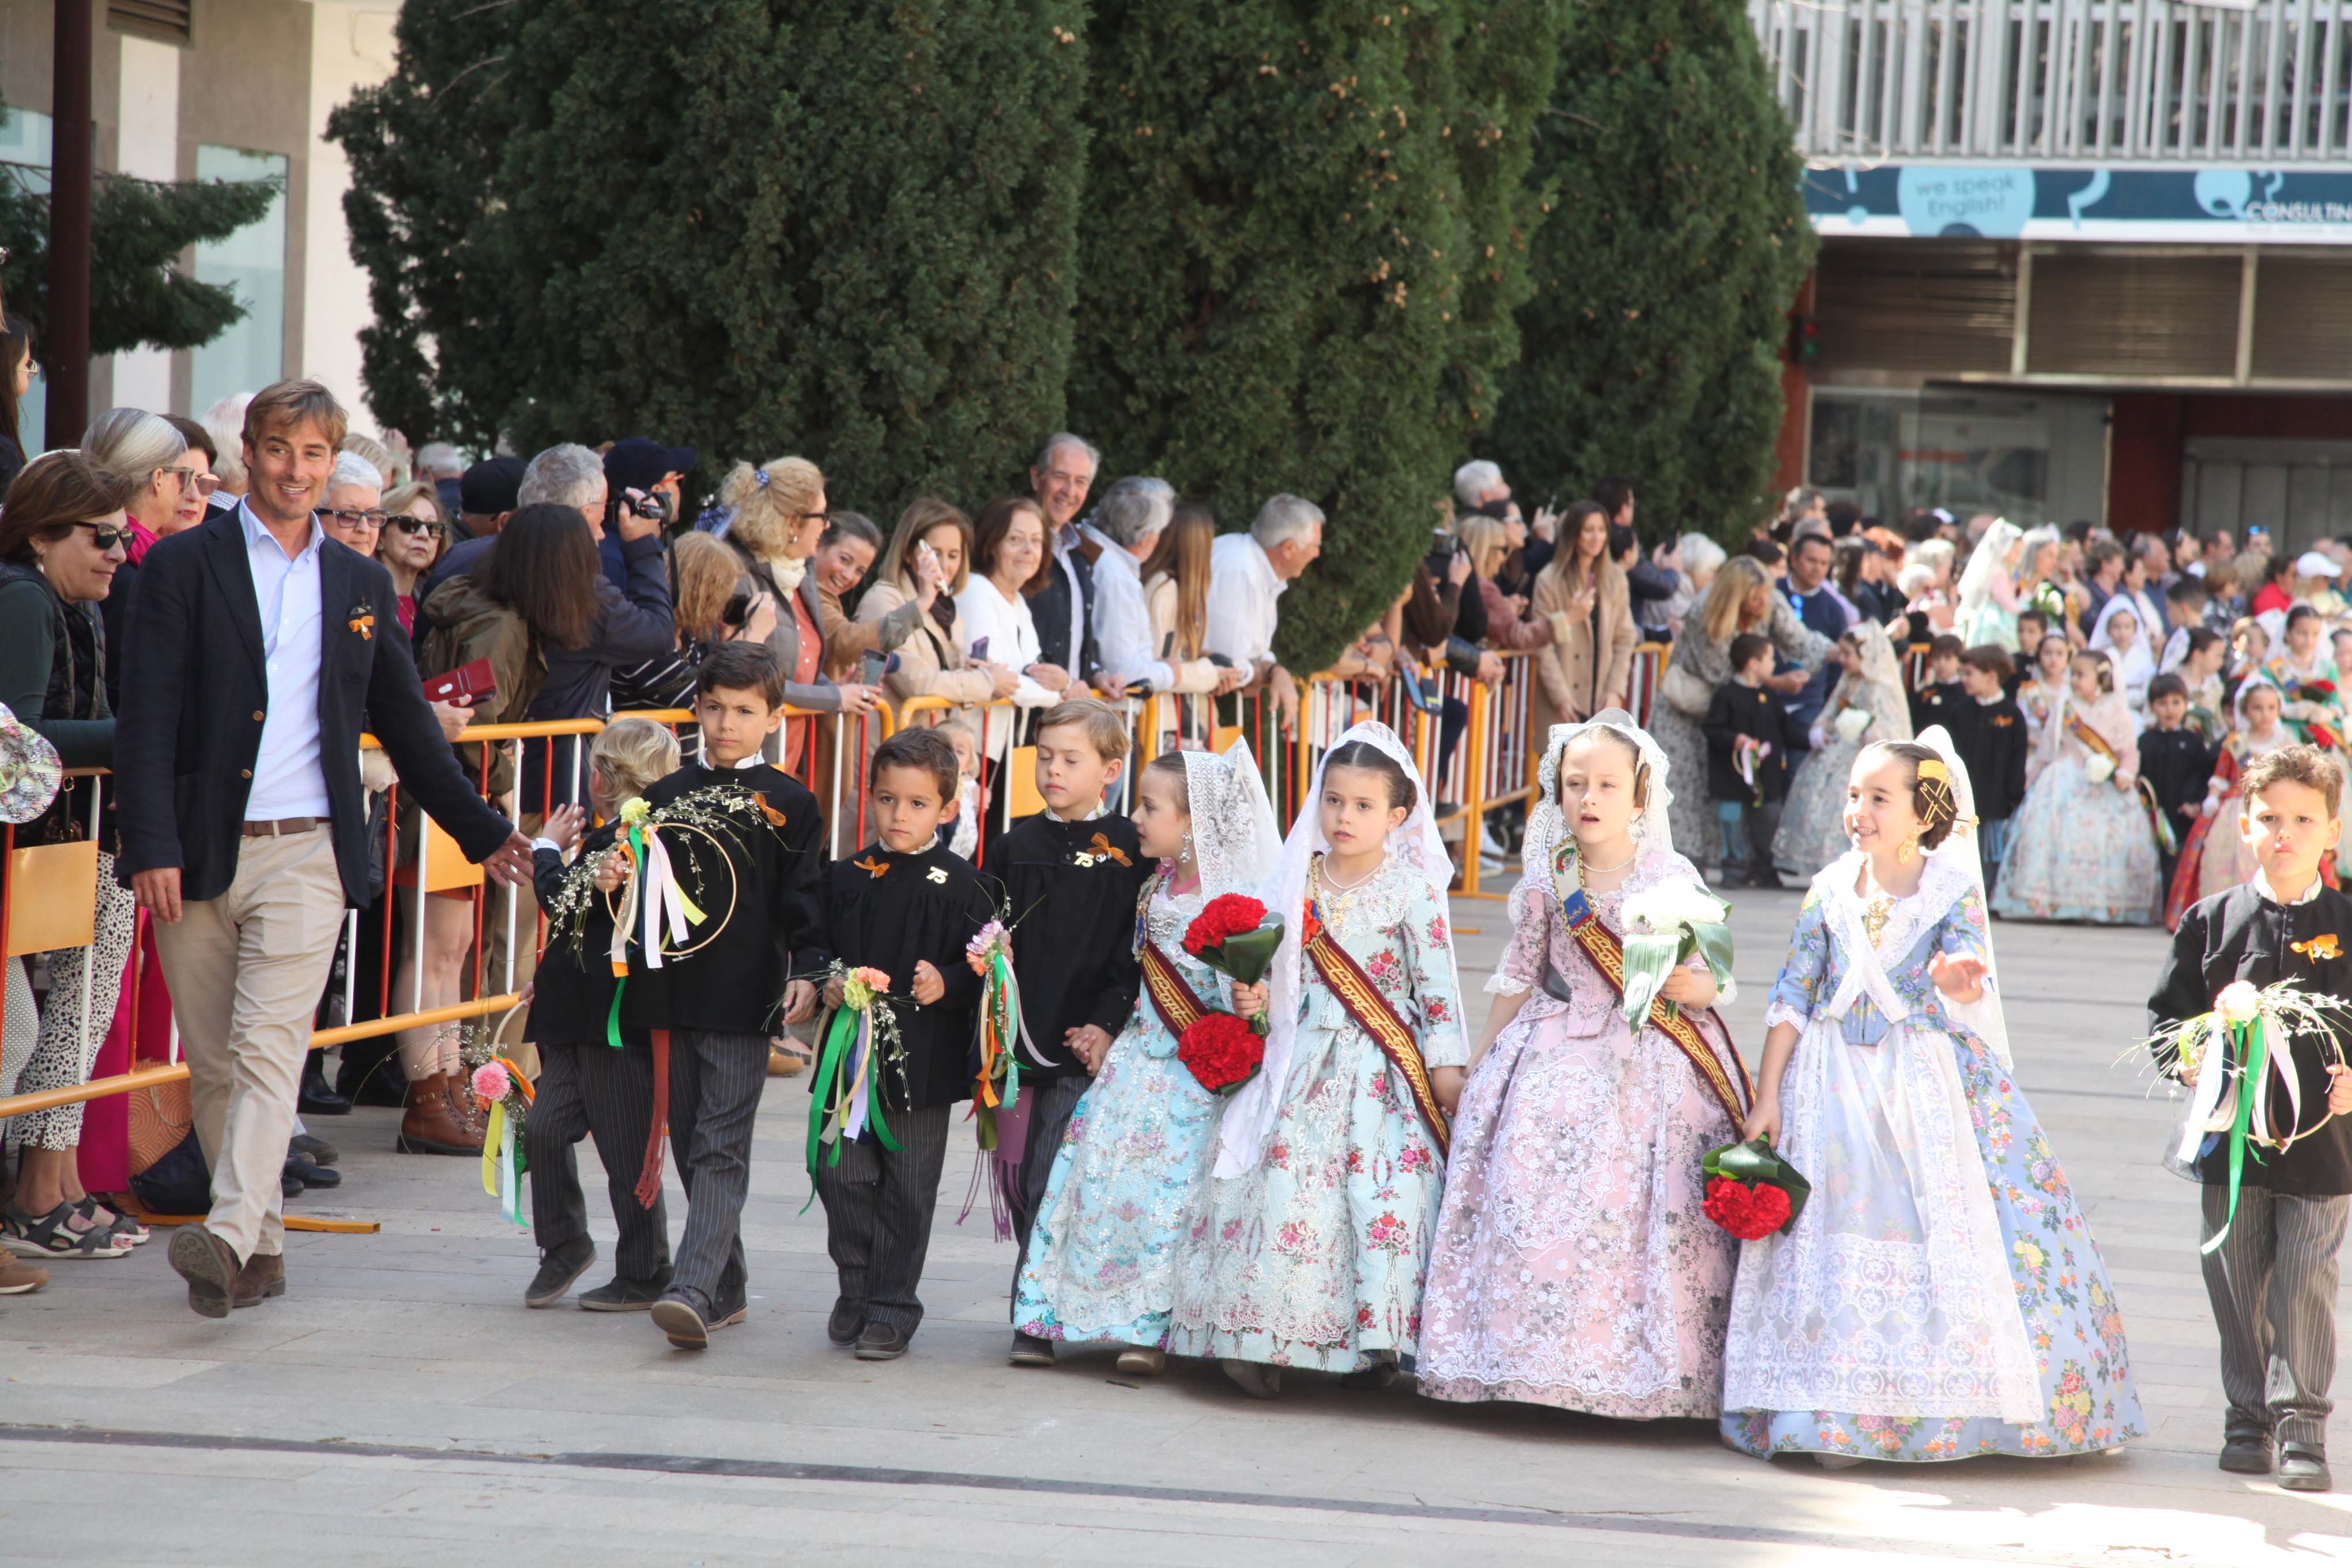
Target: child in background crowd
(2039,695)
(2184,612)
(1866,706)
(1747,732)
(2032,628)
(2080,848)
(1940,696)
(2215,858)
(2119,635)
(2249,645)
(1990,738)
(585,1087)
(1308,1248)
(2201,673)
(2176,761)
(2271,1278)
(1070,875)
(966,837)
(907,905)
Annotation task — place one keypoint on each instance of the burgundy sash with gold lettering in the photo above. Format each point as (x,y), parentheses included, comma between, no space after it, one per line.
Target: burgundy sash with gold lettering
(1607,951)
(1177,1007)
(1372,1013)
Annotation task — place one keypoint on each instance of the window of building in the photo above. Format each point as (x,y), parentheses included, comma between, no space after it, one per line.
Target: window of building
(251,355)
(2030,456)
(24,159)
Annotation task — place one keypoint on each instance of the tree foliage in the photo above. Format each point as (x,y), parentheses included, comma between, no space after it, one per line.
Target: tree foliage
(1304,238)
(838,228)
(1663,275)
(139,229)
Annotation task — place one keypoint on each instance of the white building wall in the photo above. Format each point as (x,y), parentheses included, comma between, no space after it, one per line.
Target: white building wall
(148,145)
(351,47)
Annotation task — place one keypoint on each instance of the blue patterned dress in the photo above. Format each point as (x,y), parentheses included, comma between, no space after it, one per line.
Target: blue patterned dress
(1102,1259)
(1314,1256)
(1940,1296)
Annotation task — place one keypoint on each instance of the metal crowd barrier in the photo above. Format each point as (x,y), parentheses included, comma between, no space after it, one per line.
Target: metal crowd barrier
(1477,744)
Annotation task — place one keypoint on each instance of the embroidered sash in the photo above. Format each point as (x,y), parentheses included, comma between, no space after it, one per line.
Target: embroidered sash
(1372,1013)
(1607,951)
(2092,739)
(2168,839)
(1176,1002)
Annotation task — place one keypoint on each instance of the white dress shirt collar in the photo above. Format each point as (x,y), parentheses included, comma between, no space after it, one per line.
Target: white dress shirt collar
(2262,886)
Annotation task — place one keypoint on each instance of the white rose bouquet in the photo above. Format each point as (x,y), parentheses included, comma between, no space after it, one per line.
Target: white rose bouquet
(1663,927)
(2098,768)
(1851,723)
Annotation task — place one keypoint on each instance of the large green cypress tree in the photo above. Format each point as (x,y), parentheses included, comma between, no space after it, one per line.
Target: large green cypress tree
(1663,275)
(830,227)
(1298,261)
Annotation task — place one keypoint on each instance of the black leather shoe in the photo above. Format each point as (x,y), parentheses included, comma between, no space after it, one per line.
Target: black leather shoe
(624,1295)
(381,1084)
(311,1175)
(881,1341)
(1030,1350)
(2247,1454)
(319,1096)
(847,1320)
(560,1268)
(318,1151)
(683,1322)
(2302,1469)
(290,1187)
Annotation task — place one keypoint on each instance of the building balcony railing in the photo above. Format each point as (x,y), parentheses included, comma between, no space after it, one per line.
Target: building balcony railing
(2268,83)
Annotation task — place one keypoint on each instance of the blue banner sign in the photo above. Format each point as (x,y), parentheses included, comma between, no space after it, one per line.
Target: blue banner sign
(2210,205)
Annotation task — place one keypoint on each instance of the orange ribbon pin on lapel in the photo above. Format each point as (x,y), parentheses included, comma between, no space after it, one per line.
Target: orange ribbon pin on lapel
(1103,846)
(871,867)
(2319,948)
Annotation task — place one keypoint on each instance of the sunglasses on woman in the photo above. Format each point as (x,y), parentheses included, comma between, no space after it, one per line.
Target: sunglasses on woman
(407,524)
(106,536)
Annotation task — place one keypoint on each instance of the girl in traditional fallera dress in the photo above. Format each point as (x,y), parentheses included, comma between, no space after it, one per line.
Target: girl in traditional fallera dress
(1868,705)
(1886,1080)
(1573,1265)
(1989,595)
(1309,1246)
(2122,636)
(1102,1258)
(2080,849)
(2215,857)
(2045,687)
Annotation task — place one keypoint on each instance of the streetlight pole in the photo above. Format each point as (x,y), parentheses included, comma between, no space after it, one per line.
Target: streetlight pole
(71,175)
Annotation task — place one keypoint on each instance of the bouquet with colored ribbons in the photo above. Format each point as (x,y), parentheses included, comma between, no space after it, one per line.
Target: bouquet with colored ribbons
(861,1042)
(2239,1056)
(652,905)
(504,1095)
(1663,927)
(1752,1192)
(998,1087)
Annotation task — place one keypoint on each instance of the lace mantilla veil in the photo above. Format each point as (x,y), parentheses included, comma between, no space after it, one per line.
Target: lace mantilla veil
(1234,835)
(1415,846)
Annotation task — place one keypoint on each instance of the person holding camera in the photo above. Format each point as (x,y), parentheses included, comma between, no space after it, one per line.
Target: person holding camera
(643,477)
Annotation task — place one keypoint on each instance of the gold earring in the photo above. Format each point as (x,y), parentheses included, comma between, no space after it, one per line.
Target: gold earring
(1907,849)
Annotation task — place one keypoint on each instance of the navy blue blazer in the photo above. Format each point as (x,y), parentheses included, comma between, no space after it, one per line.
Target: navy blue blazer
(193,692)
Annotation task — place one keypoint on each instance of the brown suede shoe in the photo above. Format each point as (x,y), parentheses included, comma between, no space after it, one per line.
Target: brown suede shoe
(209,1265)
(264,1275)
(431,1124)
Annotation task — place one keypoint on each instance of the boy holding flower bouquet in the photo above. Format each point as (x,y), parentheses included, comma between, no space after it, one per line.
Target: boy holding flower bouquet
(1070,874)
(2275,1158)
(904,906)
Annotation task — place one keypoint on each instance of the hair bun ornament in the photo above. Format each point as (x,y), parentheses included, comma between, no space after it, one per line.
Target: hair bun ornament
(760,478)
(1934,768)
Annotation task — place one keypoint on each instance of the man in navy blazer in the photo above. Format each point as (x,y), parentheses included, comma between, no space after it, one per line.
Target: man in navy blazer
(256,651)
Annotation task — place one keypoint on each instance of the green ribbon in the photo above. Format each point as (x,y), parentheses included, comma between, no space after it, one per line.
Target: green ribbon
(1000,994)
(829,1106)
(635,836)
(2256,1048)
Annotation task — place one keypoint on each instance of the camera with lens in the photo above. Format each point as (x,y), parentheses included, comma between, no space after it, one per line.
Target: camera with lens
(654,506)
(1445,545)
(736,610)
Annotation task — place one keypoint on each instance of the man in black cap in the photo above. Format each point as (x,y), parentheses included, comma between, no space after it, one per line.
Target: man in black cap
(649,468)
(485,497)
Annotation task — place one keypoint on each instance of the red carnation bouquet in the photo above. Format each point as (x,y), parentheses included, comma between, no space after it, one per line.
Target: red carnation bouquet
(1752,1192)
(1233,935)
(1220,1051)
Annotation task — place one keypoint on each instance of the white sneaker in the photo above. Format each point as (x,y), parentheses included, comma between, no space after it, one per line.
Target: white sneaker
(1488,845)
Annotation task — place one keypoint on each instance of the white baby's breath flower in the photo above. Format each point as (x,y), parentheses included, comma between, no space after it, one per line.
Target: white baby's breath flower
(2239,1002)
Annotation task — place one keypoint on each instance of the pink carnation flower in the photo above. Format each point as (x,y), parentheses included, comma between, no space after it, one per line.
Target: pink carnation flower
(492,1082)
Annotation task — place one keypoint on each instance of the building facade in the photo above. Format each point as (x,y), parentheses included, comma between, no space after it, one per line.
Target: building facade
(185,90)
(2079,258)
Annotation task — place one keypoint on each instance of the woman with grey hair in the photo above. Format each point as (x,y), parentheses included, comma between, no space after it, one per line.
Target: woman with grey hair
(144,451)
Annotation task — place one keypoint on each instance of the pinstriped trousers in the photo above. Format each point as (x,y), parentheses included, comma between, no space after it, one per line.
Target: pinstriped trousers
(2273,1284)
(714,1092)
(592,1089)
(877,1214)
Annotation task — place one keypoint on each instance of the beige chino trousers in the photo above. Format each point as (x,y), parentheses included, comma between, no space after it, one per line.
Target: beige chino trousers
(246,971)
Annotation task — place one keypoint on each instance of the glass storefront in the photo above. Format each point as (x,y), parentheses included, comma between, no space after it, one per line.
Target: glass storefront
(2030,456)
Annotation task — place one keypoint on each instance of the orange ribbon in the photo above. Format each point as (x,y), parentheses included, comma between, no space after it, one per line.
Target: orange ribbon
(1102,846)
(2319,948)
(363,625)
(871,867)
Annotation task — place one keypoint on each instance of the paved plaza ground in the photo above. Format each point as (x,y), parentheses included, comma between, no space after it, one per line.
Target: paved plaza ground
(401,1406)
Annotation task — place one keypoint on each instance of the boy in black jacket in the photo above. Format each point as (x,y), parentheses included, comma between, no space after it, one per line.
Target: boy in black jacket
(1072,875)
(905,905)
(2271,1278)
(2175,764)
(1747,733)
(586,1086)
(713,1005)
(1940,696)
(1988,733)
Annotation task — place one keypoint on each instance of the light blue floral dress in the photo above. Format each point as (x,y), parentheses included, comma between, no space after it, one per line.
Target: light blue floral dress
(2080,848)
(1314,1256)
(1102,1259)
(1940,1295)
